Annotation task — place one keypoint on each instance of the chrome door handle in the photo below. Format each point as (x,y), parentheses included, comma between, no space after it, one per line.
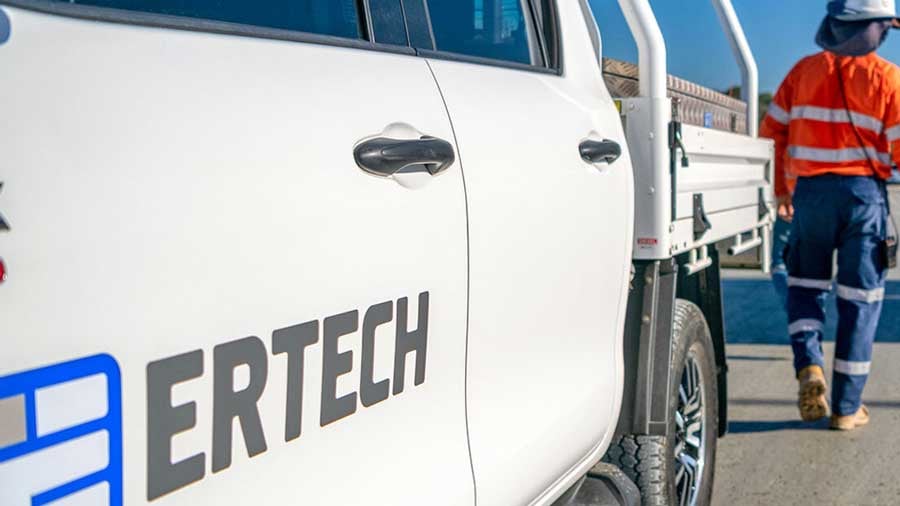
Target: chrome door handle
(604,151)
(385,157)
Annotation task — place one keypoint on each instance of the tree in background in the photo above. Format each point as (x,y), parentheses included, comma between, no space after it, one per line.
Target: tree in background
(764,100)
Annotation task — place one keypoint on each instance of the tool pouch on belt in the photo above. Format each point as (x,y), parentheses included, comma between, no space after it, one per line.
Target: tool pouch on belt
(889,244)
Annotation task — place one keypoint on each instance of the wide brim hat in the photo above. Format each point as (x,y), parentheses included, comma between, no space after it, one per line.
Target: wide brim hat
(895,21)
(864,10)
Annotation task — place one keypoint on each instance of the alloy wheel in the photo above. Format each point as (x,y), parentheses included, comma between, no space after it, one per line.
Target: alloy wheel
(690,432)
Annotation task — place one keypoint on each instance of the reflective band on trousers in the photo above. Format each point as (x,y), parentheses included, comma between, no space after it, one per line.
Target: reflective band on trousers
(859,294)
(827,115)
(779,114)
(819,284)
(837,155)
(805,325)
(852,368)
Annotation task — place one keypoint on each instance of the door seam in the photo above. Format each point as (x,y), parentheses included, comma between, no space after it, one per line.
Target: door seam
(468,280)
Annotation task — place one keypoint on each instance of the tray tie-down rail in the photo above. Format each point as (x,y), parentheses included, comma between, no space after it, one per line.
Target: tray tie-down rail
(760,237)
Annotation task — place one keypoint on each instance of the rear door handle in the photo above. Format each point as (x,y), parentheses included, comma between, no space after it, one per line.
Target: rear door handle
(385,157)
(604,151)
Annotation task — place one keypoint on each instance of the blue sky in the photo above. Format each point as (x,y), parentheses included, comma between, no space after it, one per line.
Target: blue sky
(780,33)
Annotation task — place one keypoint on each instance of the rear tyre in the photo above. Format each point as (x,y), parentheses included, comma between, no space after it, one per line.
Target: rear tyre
(679,470)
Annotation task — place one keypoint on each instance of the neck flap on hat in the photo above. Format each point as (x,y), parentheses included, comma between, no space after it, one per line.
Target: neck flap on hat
(852,38)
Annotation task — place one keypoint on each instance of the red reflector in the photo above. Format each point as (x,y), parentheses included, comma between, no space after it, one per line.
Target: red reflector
(2,271)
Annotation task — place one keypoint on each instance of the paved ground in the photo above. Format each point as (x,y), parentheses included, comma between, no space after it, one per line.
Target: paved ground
(770,457)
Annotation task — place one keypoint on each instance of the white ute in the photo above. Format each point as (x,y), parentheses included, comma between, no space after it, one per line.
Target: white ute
(340,252)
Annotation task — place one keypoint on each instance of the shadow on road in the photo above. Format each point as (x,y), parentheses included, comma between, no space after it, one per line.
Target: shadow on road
(753,314)
(791,402)
(748,427)
(752,358)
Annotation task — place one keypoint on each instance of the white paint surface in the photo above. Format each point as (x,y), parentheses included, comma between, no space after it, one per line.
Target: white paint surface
(549,251)
(172,191)
(65,405)
(95,495)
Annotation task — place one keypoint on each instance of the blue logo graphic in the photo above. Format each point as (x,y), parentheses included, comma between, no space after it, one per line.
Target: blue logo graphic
(4,27)
(61,434)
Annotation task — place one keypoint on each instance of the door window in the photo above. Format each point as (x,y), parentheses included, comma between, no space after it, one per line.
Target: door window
(339,18)
(495,29)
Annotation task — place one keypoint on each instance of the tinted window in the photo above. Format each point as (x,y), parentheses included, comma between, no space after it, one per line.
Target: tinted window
(327,17)
(387,22)
(496,29)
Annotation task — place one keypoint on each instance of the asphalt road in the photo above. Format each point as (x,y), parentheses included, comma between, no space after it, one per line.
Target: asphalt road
(770,457)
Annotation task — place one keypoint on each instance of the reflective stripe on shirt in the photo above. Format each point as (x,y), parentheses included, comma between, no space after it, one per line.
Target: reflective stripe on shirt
(779,114)
(811,113)
(837,155)
(892,133)
(825,114)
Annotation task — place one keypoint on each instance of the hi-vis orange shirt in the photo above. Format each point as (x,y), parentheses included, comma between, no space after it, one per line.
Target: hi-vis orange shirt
(809,123)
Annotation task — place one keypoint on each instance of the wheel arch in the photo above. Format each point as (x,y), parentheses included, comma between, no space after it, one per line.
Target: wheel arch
(648,337)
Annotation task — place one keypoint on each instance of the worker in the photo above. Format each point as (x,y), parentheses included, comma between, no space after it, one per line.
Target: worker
(834,120)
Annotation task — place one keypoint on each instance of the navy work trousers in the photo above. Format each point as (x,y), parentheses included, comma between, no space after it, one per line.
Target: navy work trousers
(848,215)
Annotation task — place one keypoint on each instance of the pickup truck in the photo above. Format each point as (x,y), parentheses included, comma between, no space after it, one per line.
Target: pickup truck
(363,252)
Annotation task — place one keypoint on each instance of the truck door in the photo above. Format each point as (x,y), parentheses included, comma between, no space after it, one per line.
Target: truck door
(550,238)
(215,290)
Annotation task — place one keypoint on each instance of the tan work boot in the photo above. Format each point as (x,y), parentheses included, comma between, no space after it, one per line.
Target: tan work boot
(850,422)
(811,397)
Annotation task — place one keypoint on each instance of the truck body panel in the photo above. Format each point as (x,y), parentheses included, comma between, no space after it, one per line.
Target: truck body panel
(547,238)
(732,174)
(210,296)
(173,192)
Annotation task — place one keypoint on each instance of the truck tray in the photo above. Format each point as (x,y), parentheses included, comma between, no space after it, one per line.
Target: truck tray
(716,189)
(697,105)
